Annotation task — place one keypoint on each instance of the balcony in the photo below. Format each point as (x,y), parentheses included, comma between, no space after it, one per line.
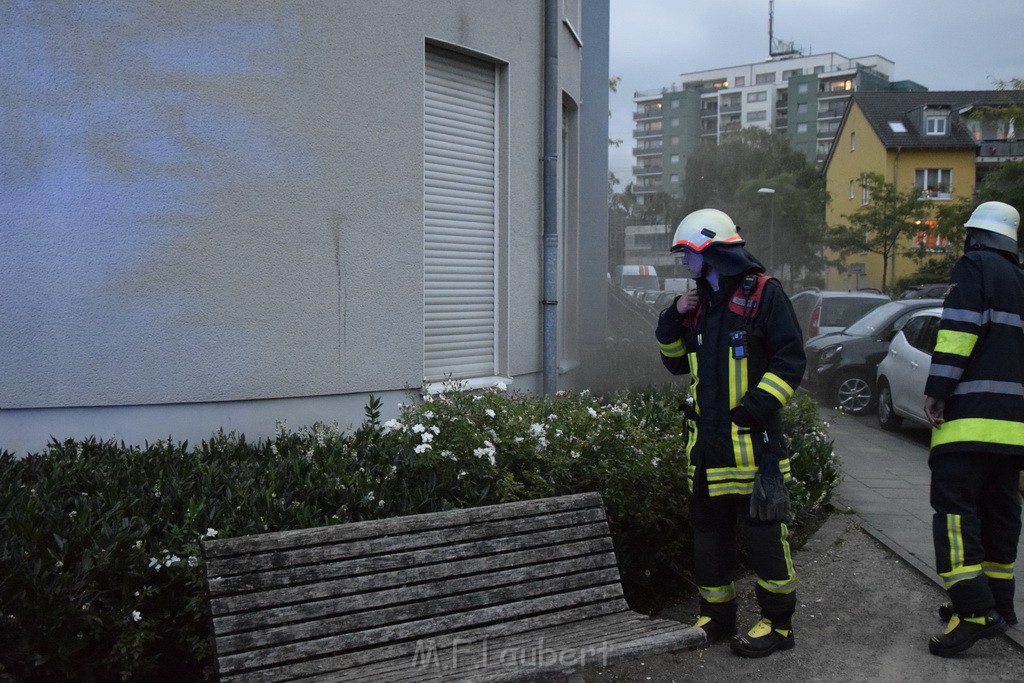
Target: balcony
(647,151)
(649,114)
(727,107)
(1000,150)
(650,169)
(647,133)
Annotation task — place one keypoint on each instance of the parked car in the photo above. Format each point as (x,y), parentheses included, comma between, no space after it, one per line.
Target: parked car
(841,366)
(903,372)
(935,290)
(823,312)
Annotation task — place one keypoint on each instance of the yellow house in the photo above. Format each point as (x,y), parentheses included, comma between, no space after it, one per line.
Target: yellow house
(921,141)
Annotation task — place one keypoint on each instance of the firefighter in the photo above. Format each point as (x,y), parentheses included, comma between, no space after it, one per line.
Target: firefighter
(974,398)
(738,338)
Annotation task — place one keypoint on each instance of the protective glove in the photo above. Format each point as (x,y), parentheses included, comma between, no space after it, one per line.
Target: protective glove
(770,500)
(742,417)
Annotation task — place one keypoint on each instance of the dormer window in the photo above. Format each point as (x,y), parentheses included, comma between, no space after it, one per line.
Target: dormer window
(935,125)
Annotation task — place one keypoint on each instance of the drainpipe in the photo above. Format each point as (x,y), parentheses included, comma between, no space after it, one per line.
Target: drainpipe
(551,103)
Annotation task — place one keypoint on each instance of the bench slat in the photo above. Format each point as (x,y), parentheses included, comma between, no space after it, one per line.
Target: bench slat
(350,619)
(329,567)
(494,616)
(342,533)
(365,595)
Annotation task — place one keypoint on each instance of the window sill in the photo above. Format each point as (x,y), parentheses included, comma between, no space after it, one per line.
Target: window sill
(470,384)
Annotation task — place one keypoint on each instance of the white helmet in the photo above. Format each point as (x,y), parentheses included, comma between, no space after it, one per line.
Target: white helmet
(995,225)
(705,227)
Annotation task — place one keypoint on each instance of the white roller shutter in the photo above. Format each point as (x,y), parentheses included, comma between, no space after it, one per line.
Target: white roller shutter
(458,217)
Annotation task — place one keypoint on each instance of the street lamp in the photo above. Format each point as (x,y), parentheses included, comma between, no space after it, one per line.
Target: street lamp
(771,229)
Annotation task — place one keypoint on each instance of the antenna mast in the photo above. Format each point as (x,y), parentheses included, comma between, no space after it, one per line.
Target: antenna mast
(779,48)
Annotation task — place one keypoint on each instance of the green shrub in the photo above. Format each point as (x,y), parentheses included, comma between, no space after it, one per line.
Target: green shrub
(100,569)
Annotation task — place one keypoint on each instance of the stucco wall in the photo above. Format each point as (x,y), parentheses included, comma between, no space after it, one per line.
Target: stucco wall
(223,201)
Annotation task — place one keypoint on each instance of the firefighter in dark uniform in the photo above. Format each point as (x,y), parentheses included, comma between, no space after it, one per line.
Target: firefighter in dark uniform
(974,398)
(738,338)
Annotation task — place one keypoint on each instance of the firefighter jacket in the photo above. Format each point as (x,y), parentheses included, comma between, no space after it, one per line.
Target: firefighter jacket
(746,354)
(977,367)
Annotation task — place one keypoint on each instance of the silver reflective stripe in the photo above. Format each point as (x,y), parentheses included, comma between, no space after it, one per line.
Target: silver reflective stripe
(963,315)
(982,386)
(1004,318)
(950,371)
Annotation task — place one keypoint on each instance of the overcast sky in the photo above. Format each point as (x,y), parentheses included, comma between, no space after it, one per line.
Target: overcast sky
(941,44)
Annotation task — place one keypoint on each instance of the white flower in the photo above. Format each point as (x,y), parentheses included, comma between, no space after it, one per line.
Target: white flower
(574,455)
(211,532)
(502,386)
(429,414)
(427,437)
(537,429)
(418,428)
(380,503)
(193,561)
(172,560)
(73,514)
(435,429)
(371,496)
(490,412)
(392,425)
(423,448)
(593,413)
(655,461)
(136,615)
(153,562)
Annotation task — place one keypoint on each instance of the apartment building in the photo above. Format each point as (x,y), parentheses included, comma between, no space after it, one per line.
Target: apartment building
(802,97)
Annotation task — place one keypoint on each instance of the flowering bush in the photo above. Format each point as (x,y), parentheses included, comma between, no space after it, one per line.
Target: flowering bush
(100,568)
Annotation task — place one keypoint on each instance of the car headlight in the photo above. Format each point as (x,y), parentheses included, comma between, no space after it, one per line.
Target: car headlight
(829,354)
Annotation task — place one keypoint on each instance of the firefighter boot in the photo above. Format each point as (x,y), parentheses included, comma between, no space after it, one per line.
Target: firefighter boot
(962,633)
(714,630)
(764,639)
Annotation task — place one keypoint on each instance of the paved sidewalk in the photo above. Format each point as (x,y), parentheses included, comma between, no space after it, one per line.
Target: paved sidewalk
(885,484)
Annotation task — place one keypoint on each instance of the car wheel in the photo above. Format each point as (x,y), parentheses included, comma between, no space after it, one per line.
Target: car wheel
(887,417)
(854,393)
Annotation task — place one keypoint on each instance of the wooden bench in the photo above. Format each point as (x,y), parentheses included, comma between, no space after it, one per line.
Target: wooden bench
(497,593)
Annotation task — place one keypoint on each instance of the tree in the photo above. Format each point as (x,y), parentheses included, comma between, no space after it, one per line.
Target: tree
(878,226)
(727,177)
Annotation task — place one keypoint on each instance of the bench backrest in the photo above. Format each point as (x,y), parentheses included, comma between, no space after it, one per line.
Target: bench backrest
(347,595)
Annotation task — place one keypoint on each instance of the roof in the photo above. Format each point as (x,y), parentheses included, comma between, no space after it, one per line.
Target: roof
(882,107)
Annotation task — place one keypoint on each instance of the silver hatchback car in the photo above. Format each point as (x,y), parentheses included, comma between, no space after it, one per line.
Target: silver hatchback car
(903,372)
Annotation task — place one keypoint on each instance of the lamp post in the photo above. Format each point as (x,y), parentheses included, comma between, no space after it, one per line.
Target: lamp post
(771,228)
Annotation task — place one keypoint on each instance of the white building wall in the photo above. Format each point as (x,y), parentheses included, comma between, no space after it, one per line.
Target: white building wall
(211,213)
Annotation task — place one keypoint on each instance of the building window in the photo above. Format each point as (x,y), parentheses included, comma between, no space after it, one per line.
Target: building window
(674,140)
(674,123)
(740,81)
(723,83)
(934,183)
(865,192)
(853,189)
(936,125)
(801,128)
(801,108)
(460,217)
(759,96)
(764,78)
(674,159)
(675,104)
(757,116)
(786,75)
(674,178)
(853,140)
(838,86)
(819,70)
(802,88)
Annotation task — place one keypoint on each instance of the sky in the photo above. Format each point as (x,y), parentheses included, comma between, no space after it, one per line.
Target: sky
(941,44)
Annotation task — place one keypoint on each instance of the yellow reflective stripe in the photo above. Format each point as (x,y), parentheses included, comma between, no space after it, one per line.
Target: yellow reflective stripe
(718,594)
(673,350)
(958,574)
(742,447)
(742,444)
(956,343)
(955,538)
(691,358)
(980,429)
(777,387)
(995,570)
(787,585)
(731,488)
(722,473)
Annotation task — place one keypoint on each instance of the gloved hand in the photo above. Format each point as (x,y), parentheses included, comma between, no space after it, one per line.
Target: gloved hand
(742,417)
(770,500)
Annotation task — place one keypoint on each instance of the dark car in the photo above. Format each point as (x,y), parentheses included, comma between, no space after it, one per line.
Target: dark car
(841,367)
(935,290)
(822,312)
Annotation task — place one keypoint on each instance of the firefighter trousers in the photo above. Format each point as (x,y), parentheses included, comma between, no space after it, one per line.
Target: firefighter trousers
(715,557)
(976,527)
